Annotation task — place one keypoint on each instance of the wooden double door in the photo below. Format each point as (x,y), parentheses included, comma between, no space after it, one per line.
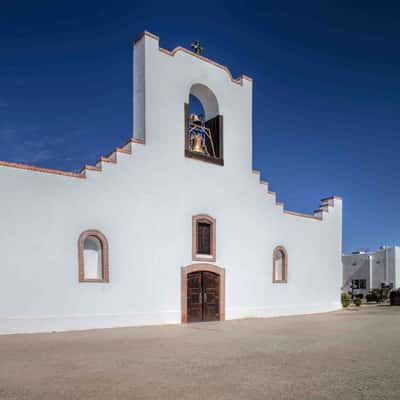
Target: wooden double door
(203,296)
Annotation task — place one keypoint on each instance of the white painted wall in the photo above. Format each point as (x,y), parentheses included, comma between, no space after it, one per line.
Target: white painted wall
(144,205)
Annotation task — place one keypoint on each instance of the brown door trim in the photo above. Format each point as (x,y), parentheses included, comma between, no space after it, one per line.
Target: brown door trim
(202,267)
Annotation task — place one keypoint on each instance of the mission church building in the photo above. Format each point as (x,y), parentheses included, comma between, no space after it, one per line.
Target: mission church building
(173,226)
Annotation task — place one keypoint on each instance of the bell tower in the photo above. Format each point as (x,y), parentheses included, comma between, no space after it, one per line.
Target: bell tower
(164,83)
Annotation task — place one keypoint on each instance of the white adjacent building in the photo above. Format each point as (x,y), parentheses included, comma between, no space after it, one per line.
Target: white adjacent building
(371,270)
(172,226)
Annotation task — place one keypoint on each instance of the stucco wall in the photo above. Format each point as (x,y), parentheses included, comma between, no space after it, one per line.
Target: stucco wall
(144,205)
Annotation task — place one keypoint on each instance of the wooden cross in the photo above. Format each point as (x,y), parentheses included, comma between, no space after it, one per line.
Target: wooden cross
(197,48)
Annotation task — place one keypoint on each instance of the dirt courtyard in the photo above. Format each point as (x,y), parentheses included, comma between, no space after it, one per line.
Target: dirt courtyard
(349,354)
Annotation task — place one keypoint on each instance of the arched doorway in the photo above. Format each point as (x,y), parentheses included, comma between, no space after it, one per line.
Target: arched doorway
(203,293)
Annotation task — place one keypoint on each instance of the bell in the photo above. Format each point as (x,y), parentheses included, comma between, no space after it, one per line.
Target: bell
(195,119)
(198,144)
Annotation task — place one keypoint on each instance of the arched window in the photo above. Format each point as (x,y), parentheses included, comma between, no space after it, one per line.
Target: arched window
(93,257)
(203,238)
(280,262)
(203,126)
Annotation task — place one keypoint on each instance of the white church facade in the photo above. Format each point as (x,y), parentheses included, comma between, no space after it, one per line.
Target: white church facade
(173,226)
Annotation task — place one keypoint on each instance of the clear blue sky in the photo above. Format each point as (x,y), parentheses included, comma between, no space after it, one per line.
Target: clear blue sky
(326,91)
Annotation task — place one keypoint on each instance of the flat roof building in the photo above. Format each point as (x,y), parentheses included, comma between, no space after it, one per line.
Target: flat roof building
(370,270)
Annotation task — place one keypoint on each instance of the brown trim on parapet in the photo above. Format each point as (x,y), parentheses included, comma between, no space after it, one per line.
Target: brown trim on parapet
(146,33)
(136,140)
(90,168)
(297,214)
(104,259)
(81,174)
(200,57)
(105,159)
(118,150)
(284,263)
(213,241)
(202,267)
(40,169)
(332,198)
(133,140)
(281,204)
(239,80)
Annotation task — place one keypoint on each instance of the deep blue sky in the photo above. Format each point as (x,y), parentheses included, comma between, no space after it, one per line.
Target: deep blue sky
(326,91)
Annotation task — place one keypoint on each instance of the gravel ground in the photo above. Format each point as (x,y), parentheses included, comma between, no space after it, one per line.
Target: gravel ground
(349,354)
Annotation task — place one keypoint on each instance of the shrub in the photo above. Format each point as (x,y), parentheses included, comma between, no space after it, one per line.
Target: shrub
(385,294)
(370,297)
(357,301)
(359,296)
(381,294)
(345,299)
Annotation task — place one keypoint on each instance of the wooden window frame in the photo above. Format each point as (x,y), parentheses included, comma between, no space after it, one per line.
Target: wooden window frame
(104,256)
(284,265)
(209,220)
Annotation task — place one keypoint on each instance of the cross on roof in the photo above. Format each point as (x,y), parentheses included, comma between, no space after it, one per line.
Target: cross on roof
(197,48)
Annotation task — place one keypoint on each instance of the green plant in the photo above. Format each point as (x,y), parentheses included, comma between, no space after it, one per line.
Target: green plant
(370,297)
(359,296)
(357,301)
(381,294)
(345,299)
(385,294)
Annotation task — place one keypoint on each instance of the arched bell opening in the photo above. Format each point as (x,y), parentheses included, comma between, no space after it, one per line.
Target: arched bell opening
(207,99)
(203,126)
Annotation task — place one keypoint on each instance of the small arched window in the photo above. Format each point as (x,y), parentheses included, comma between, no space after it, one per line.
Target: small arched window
(203,238)
(280,262)
(93,257)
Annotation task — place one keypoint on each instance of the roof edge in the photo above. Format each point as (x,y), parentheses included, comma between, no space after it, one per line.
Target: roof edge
(172,53)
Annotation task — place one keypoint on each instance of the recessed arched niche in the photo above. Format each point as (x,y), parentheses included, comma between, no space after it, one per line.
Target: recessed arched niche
(93,257)
(279,262)
(203,126)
